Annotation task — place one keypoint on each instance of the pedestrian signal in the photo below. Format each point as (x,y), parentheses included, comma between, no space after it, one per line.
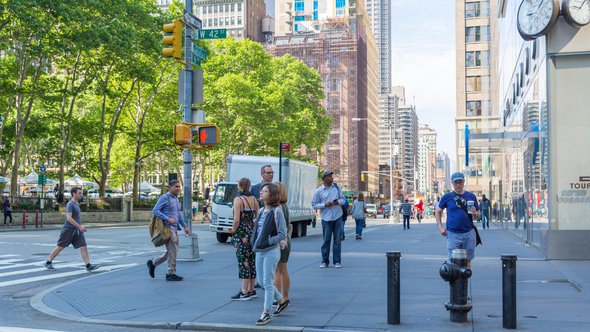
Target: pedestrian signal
(182,134)
(208,135)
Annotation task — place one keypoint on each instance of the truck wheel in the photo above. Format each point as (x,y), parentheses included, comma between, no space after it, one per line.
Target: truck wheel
(222,237)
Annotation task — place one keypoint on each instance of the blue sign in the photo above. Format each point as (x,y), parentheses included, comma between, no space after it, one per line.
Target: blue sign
(467,145)
(42,169)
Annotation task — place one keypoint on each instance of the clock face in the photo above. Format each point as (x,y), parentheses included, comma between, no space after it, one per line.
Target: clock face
(577,12)
(536,17)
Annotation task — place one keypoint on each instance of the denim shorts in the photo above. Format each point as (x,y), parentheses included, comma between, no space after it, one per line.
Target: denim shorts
(462,241)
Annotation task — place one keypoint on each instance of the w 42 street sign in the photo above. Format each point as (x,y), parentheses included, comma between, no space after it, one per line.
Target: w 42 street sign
(210,34)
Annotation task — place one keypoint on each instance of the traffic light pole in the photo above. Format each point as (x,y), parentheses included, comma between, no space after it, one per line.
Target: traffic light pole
(189,250)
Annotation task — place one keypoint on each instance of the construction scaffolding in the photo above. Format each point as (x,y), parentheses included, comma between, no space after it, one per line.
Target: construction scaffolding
(339,53)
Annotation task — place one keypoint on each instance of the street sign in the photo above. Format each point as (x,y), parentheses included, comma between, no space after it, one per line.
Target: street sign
(42,179)
(201,53)
(42,169)
(196,60)
(285,147)
(192,21)
(210,34)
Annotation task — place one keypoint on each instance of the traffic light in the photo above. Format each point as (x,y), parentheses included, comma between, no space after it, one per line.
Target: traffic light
(182,134)
(208,135)
(173,38)
(363,177)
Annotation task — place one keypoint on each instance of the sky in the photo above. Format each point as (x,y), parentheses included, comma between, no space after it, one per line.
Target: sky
(423,60)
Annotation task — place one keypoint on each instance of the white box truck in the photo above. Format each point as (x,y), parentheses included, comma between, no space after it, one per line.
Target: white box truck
(300,179)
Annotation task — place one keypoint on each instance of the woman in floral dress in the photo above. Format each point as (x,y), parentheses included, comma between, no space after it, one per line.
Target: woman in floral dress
(245,209)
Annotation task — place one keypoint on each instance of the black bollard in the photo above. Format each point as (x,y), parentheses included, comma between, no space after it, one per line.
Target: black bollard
(393,287)
(509,291)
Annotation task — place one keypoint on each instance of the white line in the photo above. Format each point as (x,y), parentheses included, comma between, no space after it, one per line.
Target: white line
(19,329)
(10,261)
(60,275)
(13,273)
(2,256)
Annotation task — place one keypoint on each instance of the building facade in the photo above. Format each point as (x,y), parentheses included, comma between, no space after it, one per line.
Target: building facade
(475,96)
(241,18)
(543,96)
(408,128)
(443,174)
(426,170)
(345,54)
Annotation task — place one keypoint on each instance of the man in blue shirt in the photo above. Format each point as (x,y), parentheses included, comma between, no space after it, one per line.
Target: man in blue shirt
(168,209)
(459,231)
(328,198)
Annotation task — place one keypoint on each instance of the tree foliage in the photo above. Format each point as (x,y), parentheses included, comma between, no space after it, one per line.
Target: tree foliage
(84,89)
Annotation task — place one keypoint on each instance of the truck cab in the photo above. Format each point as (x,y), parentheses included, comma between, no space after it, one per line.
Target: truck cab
(222,213)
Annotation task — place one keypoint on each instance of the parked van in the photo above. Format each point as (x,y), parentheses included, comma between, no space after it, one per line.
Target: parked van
(300,179)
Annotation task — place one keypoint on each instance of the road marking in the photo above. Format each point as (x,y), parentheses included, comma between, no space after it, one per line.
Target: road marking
(20,329)
(65,274)
(13,273)
(10,261)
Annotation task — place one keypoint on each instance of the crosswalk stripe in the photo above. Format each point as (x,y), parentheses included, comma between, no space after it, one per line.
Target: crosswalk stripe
(61,275)
(13,273)
(10,261)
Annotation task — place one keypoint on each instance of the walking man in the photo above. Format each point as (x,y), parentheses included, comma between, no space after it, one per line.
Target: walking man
(486,208)
(267,174)
(461,208)
(72,232)
(168,209)
(328,198)
(405,209)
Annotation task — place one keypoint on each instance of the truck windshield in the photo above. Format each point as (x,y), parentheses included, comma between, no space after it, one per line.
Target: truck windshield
(225,194)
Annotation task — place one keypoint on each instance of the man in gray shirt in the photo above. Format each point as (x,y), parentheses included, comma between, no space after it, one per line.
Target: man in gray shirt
(72,232)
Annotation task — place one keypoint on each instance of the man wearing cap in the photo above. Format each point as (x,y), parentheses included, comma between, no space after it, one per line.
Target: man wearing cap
(328,198)
(459,226)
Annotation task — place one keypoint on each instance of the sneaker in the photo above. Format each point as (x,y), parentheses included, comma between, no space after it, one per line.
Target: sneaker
(323,265)
(92,267)
(252,294)
(173,277)
(337,265)
(360,237)
(264,319)
(49,266)
(151,268)
(241,297)
(281,308)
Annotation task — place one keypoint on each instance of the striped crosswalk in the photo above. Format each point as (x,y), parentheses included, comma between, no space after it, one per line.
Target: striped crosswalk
(15,270)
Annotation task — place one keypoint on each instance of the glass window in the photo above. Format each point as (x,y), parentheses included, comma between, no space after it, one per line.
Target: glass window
(233,7)
(299,18)
(299,5)
(215,8)
(204,9)
(477,9)
(470,34)
(477,59)
(227,21)
(239,7)
(210,22)
(215,22)
(340,3)
(233,20)
(239,33)
(469,59)
(239,19)
(227,8)
(210,10)
(473,108)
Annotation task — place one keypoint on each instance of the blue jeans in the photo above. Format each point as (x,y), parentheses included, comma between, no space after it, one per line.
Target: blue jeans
(406,221)
(266,266)
(485,218)
(359,226)
(331,229)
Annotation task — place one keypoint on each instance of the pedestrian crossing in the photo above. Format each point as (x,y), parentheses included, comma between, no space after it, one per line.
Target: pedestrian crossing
(16,270)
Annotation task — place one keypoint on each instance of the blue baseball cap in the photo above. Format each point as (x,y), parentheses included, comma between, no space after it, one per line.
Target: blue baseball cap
(457,176)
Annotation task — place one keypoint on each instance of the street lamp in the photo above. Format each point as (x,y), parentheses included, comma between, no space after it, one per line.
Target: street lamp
(391,162)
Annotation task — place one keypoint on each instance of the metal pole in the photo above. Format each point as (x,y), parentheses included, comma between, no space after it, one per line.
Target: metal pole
(280,162)
(509,291)
(391,163)
(193,251)
(393,287)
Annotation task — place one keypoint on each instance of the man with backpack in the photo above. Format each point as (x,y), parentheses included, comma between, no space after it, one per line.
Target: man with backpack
(328,198)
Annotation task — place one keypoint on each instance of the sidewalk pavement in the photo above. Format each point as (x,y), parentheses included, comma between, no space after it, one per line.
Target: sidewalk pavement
(551,295)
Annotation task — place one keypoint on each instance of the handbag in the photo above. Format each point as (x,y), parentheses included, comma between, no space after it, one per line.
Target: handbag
(159,233)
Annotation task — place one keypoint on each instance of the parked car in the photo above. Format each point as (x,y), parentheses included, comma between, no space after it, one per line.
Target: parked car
(371,211)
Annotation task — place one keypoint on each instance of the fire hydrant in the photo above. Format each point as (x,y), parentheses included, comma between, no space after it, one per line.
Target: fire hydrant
(457,274)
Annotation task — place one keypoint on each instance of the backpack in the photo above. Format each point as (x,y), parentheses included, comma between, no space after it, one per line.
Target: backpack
(344,212)
(159,233)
